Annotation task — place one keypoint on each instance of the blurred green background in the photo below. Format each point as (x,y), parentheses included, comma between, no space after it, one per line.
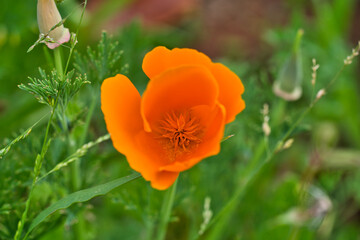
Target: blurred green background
(254,39)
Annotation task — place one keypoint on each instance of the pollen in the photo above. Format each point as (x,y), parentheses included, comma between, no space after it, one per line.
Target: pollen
(181,132)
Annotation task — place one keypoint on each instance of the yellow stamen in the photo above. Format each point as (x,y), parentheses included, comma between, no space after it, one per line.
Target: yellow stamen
(180,131)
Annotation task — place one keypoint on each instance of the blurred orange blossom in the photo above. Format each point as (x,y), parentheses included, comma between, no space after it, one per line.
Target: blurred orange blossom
(180,118)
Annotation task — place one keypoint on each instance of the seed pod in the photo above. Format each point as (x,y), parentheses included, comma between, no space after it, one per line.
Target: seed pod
(288,83)
(50,24)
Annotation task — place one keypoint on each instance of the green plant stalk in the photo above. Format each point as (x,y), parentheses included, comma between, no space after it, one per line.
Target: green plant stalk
(225,214)
(222,216)
(166,211)
(297,42)
(150,230)
(36,175)
(89,116)
(309,176)
(75,168)
(59,68)
(48,57)
(58,62)
(229,208)
(77,33)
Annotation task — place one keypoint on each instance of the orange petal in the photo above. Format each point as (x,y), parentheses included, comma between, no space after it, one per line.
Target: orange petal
(120,103)
(230,86)
(230,90)
(160,59)
(164,180)
(175,90)
(210,143)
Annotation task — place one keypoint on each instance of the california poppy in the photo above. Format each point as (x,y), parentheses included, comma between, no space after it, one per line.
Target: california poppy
(180,118)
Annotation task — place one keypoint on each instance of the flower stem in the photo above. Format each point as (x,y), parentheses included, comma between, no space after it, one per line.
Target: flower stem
(37,168)
(89,115)
(58,62)
(166,211)
(226,212)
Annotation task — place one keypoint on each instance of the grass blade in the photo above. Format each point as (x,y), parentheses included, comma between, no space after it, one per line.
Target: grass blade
(80,196)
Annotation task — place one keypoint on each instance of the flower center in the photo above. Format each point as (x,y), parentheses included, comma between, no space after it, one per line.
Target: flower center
(181,131)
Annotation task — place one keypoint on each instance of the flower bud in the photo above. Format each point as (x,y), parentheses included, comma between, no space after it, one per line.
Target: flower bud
(48,17)
(288,83)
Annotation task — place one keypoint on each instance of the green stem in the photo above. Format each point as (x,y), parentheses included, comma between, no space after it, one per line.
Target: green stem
(77,33)
(75,167)
(58,62)
(38,163)
(229,208)
(89,116)
(166,211)
(297,42)
(48,57)
(244,184)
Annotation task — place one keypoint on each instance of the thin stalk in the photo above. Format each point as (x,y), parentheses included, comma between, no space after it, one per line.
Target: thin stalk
(307,180)
(58,62)
(88,117)
(38,162)
(77,32)
(166,211)
(266,141)
(37,168)
(39,159)
(48,57)
(75,168)
(244,184)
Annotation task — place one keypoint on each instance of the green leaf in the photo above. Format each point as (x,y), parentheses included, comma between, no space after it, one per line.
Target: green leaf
(81,196)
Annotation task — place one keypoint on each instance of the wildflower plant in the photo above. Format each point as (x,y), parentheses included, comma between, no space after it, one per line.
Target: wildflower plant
(52,170)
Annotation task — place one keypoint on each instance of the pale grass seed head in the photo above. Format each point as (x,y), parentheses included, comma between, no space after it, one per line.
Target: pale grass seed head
(207,215)
(265,126)
(314,68)
(355,52)
(320,93)
(288,143)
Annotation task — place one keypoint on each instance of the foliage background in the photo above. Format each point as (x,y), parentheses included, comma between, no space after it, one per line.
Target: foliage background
(254,40)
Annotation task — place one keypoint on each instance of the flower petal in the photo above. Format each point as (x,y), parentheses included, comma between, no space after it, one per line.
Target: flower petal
(120,103)
(164,180)
(160,59)
(175,90)
(231,88)
(210,143)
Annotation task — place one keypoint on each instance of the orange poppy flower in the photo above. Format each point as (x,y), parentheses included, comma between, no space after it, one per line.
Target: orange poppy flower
(180,118)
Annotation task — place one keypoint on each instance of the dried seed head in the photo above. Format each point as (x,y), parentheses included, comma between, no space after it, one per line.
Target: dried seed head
(320,93)
(355,52)
(265,126)
(314,68)
(288,143)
